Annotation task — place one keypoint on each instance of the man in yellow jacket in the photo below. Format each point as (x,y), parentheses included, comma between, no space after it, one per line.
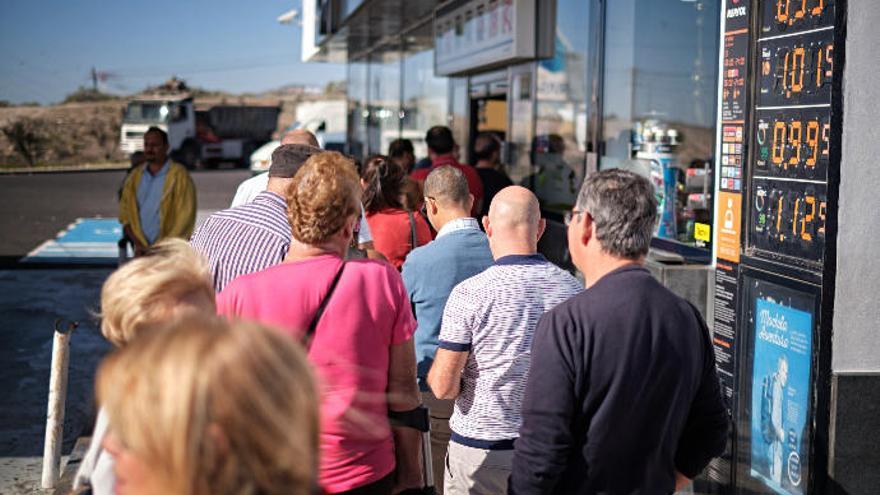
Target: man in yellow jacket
(158,197)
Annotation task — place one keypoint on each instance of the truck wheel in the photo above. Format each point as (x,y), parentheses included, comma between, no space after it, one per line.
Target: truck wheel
(189,154)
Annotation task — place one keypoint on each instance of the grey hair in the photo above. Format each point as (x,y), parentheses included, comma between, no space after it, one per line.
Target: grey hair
(624,210)
(448,185)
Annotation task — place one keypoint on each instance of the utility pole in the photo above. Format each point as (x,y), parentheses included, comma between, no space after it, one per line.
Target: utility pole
(94,80)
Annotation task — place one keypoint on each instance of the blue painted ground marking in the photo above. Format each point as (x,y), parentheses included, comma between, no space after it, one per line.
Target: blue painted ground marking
(87,240)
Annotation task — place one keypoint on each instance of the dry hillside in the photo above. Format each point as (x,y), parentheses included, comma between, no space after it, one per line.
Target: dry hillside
(71,133)
(88,132)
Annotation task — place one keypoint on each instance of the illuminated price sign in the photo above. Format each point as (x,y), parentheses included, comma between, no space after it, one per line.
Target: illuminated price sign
(788,218)
(793,143)
(796,71)
(789,16)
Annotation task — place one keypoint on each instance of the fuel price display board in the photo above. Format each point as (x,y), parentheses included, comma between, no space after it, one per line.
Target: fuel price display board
(792,131)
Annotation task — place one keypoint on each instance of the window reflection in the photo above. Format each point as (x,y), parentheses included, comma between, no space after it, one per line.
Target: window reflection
(559,147)
(659,104)
(425,99)
(384,99)
(357,108)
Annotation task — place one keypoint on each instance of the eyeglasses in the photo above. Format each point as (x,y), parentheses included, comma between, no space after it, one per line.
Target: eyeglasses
(570,215)
(424,209)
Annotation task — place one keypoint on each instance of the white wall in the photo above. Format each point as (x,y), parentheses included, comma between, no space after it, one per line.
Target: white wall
(856,345)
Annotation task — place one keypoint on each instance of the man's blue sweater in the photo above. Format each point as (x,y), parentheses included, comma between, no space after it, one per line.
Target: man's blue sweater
(429,273)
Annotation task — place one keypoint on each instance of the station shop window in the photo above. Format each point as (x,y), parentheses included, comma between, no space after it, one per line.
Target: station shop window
(659,106)
(425,96)
(559,145)
(383,123)
(357,107)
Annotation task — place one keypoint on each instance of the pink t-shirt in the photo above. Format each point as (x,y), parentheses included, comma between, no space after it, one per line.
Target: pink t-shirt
(368,312)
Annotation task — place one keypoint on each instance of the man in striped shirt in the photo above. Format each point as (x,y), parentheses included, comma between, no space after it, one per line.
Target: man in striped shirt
(256,235)
(485,339)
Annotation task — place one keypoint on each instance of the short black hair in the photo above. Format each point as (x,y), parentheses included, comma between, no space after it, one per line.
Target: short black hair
(439,140)
(398,147)
(160,132)
(287,159)
(485,145)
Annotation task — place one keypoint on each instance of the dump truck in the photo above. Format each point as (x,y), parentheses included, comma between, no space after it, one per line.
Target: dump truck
(203,137)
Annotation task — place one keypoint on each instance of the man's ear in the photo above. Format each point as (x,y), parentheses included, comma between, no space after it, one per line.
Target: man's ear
(486,227)
(470,202)
(542,225)
(588,228)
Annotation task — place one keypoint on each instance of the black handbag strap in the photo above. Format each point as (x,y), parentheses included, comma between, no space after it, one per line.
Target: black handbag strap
(412,231)
(307,338)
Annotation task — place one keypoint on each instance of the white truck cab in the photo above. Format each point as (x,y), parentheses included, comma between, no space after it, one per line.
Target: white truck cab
(219,133)
(172,114)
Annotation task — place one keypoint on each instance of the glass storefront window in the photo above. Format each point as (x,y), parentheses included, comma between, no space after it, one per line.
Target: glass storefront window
(659,105)
(425,96)
(384,99)
(459,118)
(357,108)
(559,146)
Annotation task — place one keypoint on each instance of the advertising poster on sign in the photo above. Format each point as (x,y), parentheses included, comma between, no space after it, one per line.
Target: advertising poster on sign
(781,396)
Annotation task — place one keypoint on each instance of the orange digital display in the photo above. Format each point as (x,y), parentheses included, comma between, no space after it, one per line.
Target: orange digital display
(796,70)
(793,143)
(802,68)
(789,218)
(793,13)
(791,134)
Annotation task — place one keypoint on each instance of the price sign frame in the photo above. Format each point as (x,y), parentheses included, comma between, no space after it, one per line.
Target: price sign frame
(791,135)
(789,237)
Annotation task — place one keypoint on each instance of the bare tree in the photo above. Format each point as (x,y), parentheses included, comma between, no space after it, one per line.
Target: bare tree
(27,137)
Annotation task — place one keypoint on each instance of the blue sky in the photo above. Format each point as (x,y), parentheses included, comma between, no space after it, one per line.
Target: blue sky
(47,47)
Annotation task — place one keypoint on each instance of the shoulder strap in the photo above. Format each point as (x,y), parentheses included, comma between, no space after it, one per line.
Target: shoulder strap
(412,231)
(307,338)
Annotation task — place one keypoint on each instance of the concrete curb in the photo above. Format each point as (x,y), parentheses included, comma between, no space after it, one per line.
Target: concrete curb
(89,167)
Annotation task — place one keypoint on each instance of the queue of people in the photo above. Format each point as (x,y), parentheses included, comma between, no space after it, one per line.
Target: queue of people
(284,379)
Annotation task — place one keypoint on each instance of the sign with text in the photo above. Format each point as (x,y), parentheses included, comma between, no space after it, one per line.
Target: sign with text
(476,35)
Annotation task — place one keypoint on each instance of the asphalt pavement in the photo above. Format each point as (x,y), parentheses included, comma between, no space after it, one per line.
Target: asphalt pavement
(33,209)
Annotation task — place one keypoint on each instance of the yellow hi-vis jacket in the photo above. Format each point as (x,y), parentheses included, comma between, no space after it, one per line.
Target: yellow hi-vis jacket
(177,209)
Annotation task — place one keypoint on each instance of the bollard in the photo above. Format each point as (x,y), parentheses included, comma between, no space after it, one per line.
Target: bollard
(57,398)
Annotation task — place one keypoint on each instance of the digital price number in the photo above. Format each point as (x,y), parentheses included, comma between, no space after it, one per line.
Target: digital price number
(797,71)
(789,218)
(787,16)
(793,143)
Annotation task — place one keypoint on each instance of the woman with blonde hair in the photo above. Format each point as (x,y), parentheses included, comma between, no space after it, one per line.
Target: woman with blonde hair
(172,279)
(206,407)
(356,319)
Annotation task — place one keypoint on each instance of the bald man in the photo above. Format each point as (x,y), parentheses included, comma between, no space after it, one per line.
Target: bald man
(485,336)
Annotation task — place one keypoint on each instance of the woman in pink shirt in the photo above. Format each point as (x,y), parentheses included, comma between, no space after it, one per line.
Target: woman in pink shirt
(396,230)
(356,320)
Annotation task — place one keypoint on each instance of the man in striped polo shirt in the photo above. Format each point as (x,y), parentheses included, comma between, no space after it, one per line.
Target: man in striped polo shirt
(485,340)
(256,235)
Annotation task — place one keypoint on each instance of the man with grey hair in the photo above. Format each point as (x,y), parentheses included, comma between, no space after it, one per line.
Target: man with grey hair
(485,336)
(430,272)
(623,395)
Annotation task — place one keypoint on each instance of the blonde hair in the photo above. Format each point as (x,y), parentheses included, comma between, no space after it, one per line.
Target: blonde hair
(321,197)
(215,408)
(148,290)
